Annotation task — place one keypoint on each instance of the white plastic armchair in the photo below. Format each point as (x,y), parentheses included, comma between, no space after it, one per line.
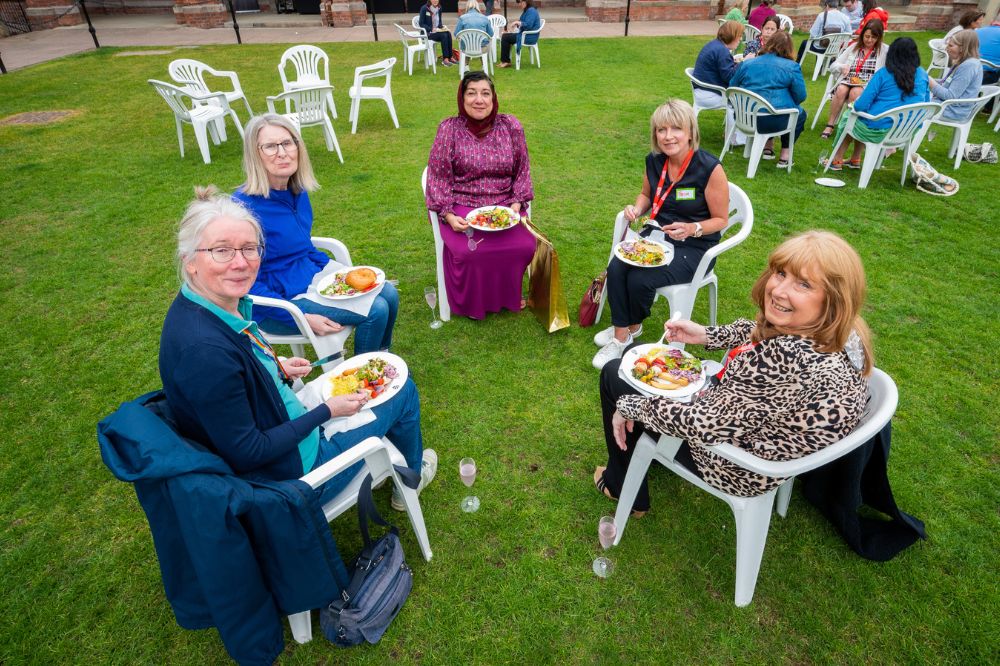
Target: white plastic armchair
(431,53)
(307,107)
(323,345)
(191,73)
(498,23)
(414,47)
(534,54)
(909,125)
(204,112)
(834,45)
(962,127)
(785,23)
(939,56)
(473,44)
(750,33)
(753,514)
(748,107)
(681,297)
(379,456)
(312,68)
(360,91)
(831,83)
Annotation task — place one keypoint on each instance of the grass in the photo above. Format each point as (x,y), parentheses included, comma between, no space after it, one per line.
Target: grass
(89,214)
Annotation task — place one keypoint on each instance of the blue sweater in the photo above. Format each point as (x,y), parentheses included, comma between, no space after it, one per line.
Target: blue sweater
(961,82)
(989,44)
(776,79)
(530,20)
(715,64)
(290,259)
(882,94)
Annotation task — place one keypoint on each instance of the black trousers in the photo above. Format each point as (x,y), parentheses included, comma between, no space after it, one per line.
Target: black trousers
(632,290)
(774,123)
(445,38)
(990,79)
(507,40)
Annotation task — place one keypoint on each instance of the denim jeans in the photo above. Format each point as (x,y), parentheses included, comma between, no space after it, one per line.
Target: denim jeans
(398,419)
(371,333)
(767,124)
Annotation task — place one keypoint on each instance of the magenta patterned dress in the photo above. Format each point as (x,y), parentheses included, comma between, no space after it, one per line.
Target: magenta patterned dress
(465,172)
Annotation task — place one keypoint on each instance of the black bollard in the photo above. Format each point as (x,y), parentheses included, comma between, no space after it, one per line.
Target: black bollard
(628,10)
(236,26)
(90,26)
(504,10)
(3,68)
(374,21)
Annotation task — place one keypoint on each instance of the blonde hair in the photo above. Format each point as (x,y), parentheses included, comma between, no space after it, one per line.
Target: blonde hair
(208,206)
(674,113)
(729,31)
(832,263)
(253,163)
(471,4)
(967,42)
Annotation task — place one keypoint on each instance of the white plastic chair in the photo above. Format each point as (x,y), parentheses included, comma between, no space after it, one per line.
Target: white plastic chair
(359,91)
(205,114)
(307,61)
(308,108)
(961,127)
(681,297)
(748,107)
(470,45)
(689,72)
(323,345)
(416,49)
(831,83)
(431,53)
(191,73)
(498,23)
(909,125)
(379,455)
(750,33)
(939,56)
(753,514)
(785,23)
(834,45)
(534,54)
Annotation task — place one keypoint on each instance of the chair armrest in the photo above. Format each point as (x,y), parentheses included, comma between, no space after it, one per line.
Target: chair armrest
(367,70)
(328,470)
(291,309)
(205,97)
(334,247)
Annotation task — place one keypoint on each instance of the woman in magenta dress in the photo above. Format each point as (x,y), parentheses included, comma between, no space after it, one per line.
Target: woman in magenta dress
(480,158)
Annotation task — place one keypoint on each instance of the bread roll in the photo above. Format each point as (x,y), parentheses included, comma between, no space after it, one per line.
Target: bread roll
(360,278)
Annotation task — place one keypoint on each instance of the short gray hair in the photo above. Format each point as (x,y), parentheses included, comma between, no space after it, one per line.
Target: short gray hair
(208,206)
(253,164)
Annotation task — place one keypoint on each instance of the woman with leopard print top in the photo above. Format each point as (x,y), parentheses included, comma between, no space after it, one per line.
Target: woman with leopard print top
(794,381)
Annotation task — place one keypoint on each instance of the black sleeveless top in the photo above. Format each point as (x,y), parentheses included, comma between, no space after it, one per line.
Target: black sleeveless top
(686,202)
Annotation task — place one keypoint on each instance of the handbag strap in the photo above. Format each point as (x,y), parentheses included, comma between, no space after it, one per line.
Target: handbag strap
(366,503)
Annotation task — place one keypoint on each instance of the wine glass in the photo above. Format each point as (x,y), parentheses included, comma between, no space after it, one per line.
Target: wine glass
(467,471)
(606,532)
(430,295)
(471,242)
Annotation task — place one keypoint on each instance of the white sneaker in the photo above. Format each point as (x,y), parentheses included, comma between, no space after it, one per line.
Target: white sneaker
(608,334)
(428,470)
(610,352)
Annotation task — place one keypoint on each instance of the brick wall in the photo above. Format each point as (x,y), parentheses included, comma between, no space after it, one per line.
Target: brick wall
(613,11)
(43,14)
(200,13)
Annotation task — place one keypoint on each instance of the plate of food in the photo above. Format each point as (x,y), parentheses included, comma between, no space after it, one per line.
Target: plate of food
(642,252)
(657,369)
(380,373)
(350,282)
(492,218)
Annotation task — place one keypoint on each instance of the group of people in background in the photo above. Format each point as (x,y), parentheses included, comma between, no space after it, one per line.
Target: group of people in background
(518,33)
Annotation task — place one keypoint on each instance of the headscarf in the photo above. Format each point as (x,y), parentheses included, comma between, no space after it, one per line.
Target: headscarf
(478,127)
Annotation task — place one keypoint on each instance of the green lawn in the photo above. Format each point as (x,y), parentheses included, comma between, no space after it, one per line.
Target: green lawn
(87,222)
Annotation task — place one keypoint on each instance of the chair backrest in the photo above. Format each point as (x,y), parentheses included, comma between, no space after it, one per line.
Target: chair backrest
(306,60)
(835,43)
(189,73)
(746,107)
(939,56)
(750,33)
(541,26)
(498,22)
(472,42)
(374,71)
(907,121)
(174,97)
(308,104)
(415,22)
(785,23)
(689,71)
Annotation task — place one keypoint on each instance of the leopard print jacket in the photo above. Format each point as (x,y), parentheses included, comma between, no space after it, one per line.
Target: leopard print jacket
(780,400)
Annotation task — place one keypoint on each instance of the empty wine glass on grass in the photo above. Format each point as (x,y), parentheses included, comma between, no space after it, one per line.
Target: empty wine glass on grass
(467,470)
(606,532)
(430,295)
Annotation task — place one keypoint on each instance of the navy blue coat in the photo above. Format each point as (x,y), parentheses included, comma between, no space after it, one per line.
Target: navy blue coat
(235,554)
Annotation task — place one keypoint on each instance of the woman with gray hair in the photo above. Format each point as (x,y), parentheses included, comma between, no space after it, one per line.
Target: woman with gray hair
(227,388)
(279,178)
(965,77)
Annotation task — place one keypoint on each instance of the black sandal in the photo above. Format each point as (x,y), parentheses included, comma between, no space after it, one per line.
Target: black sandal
(827,132)
(602,487)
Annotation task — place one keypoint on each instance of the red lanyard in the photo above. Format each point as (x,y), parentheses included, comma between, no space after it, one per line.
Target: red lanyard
(861,63)
(657,199)
(733,353)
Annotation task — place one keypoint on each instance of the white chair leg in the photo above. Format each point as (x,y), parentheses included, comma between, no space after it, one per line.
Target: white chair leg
(538,56)
(818,67)
(641,459)
(301,626)
(791,149)
(180,134)
(392,110)
(713,301)
(412,502)
(756,150)
(752,522)
(201,130)
(872,159)
(784,497)
(331,138)
(961,137)
(355,108)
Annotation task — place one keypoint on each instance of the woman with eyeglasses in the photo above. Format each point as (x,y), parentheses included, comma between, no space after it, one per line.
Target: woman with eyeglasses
(279,178)
(226,387)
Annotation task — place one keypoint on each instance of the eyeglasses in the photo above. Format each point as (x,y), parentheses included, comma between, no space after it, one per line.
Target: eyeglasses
(271,149)
(224,255)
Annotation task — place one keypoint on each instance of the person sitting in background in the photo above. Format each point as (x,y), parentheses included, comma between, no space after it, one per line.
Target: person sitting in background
(852,10)
(737,11)
(775,76)
(902,81)
(970,20)
(715,65)
(761,12)
(431,21)
(855,66)
(872,11)
(827,22)
(795,381)
(771,25)
(965,77)
(473,19)
(529,20)
(989,50)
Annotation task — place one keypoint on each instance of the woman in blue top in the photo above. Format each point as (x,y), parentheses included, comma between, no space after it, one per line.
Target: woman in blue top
(473,19)
(775,76)
(902,81)
(964,78)
(279,178)
(529,20)
(430,20)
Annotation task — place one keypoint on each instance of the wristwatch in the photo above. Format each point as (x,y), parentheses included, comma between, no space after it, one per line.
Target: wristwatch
(698,230)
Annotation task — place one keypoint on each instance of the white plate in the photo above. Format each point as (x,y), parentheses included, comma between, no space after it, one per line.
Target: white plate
(667,254)
(633,355)
(328,280)
(402,372)
(485,209)
(829,182)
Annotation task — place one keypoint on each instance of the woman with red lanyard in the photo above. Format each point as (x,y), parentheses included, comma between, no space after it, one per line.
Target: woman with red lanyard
(794,383)
(855,66)
(686,195)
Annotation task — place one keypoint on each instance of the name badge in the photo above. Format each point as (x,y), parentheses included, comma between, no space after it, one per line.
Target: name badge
(685,194)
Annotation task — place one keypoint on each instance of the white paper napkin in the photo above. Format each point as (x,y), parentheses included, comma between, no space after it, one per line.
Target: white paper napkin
(359,305)
(311,395)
